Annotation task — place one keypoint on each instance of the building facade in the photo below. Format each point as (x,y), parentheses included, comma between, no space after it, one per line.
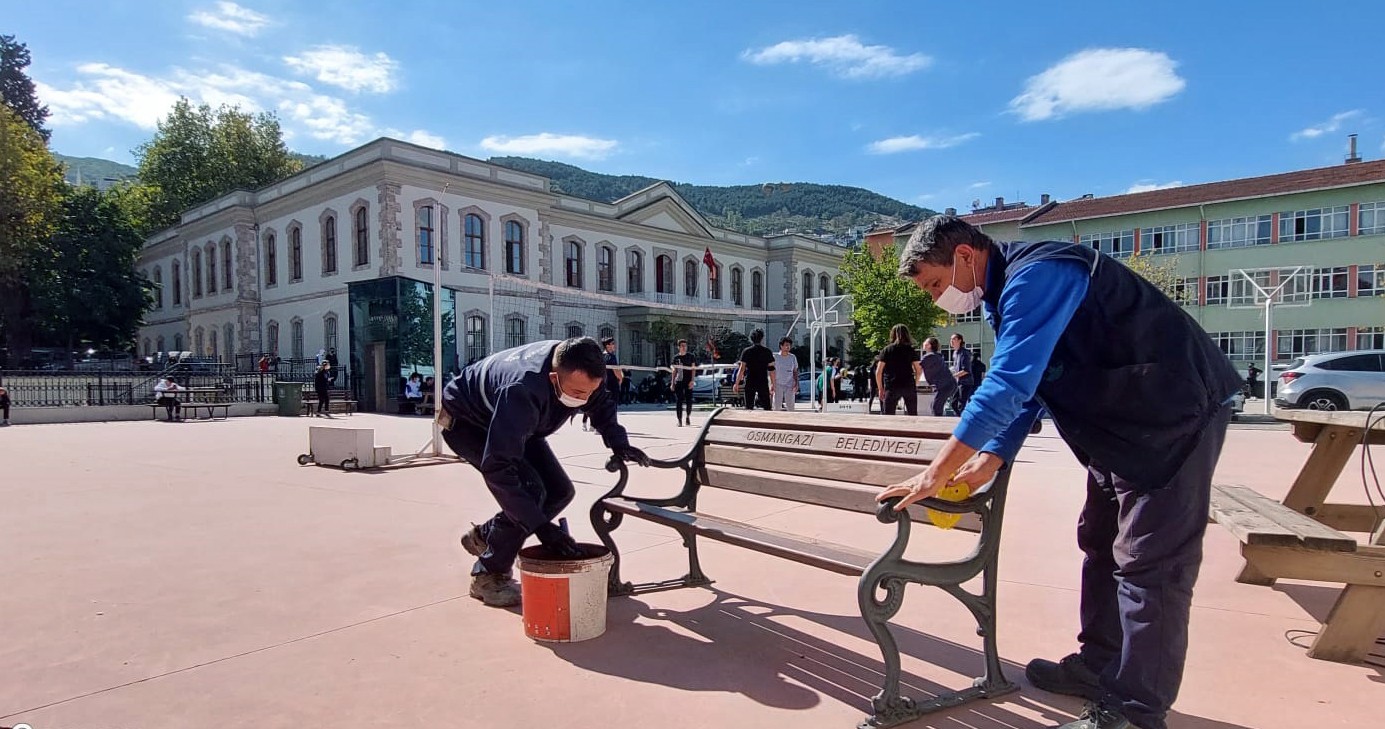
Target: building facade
(342,255)
(1330,221)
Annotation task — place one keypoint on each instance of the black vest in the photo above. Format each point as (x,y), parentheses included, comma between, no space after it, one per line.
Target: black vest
(1133,380)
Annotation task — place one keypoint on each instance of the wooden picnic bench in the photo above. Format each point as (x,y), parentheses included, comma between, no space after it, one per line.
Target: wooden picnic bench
(840,462)
(1303,537)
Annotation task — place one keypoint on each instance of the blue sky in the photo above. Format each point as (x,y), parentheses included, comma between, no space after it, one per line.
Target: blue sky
(933,103)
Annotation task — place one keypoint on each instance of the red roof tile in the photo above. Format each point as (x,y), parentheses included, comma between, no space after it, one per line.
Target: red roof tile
(1250,187)
(999,216)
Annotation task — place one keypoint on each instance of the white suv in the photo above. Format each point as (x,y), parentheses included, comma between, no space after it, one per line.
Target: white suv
(1336,381)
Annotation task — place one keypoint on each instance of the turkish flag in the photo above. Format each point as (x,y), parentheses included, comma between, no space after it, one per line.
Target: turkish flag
(711,263)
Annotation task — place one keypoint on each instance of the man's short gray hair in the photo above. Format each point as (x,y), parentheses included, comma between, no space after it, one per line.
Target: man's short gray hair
(935,239)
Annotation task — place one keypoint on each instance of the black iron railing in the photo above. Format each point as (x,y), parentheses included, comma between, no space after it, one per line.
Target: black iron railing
(47,389)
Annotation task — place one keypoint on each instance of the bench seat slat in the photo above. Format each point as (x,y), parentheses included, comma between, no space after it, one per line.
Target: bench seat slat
(898,447)
(895,427)
(829,556)
(850,470)
(805,490)
(1309,531)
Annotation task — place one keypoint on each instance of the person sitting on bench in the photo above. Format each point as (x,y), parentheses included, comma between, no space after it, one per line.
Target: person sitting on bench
(170,402)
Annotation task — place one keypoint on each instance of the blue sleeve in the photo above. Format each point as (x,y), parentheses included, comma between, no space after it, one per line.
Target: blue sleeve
(1035,307)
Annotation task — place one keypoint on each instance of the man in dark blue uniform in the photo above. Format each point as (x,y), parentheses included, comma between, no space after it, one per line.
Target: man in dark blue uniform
(1141,395)
(496,415)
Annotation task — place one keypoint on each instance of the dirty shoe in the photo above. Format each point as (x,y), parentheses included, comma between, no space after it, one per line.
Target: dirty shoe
(473,542)
(1070,676)
(1097,716)
(495,590)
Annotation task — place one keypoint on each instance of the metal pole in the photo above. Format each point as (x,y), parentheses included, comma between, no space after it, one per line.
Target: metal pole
(437,329)
(1269,374)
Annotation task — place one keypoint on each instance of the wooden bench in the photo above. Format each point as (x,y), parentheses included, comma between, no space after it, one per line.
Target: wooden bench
(837,461)
(339,401)
(210,407)
(725,396)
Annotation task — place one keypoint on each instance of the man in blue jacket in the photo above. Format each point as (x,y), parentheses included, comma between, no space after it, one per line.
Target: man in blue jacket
(497,415)
(1140,394)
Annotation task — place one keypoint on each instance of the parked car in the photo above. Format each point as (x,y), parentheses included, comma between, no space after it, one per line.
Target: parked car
(1336,381)
(709,378)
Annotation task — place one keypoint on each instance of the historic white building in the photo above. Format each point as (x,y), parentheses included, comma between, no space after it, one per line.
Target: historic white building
(317,261)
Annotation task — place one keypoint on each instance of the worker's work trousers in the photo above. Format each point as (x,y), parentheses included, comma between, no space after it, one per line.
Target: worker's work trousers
(1143,550)
(542,480)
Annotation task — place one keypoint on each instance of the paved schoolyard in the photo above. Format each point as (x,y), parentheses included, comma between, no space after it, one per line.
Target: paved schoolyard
(164,575)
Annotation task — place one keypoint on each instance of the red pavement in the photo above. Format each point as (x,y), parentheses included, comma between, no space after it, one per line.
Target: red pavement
(165,575)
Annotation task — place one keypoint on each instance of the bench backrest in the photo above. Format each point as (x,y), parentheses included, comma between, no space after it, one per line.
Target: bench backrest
(839,461)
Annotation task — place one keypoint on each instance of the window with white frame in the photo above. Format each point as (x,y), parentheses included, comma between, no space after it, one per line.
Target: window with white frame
(634,274)
(1240,345)
(424,223)
(824,285)
(573,264)
(514,332)
(1240,232)
(606,268)
(663,274)
(1243,292)
(514,247)
(1314,224)
(362,240)
(1370,279)
(970,316)
(1217,289)
(295,254)
(329,332)
(271,261)
(1185,291)
(475,338)
(1331,283)
(1370,337)
(1118,244)
(474,241)
(757,290)
(1370,220)
(296,338)
(1171,239)
(329,244)
(1302,342)
(690,278)
(737,287)
(807,286)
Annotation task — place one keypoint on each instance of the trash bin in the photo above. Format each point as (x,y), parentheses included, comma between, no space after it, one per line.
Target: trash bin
(289,395)
(564,600)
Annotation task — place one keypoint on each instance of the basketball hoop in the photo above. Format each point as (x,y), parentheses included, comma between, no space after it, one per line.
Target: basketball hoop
(824,312)
(1267,288)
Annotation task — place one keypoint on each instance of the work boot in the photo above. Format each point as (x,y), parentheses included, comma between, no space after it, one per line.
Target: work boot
(495,590)
(1098,716)
(1070,676)
(473,542)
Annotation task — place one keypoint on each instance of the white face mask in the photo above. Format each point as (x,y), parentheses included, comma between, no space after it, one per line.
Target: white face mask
(567,399)
(958,302)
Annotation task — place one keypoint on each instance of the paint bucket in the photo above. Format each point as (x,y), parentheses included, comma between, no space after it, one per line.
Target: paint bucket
(564,600)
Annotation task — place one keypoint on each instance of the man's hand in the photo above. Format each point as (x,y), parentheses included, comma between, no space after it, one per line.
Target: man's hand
(926,484)
(978,471)
(631,454)
(559,543)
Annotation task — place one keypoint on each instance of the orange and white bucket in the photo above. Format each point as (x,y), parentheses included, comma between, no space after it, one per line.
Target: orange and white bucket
(564,600)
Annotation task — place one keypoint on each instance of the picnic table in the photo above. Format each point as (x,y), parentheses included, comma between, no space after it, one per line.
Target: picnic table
(1306,537)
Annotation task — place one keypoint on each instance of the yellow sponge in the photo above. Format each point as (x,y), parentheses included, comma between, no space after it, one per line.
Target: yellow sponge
(955,492)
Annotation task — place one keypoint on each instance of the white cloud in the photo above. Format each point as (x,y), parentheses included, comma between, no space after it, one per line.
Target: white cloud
(561,145)
(979,185)
(347,67)
(232,18)
(1099,79)
(843,55)
(420,137)
(1327,127)
(1149,185)
(106,93)
(914,142)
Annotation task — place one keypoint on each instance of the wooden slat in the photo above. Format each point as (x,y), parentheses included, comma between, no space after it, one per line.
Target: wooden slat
(834,468)
(1332,449)
(833,494)
(1353,625)
(862,446)
(1299,563)
(899,426)
(1246,523)
(830,556)
(1311,533)
(1351,517)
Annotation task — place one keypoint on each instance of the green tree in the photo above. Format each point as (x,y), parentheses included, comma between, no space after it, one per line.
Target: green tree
(881,299)
(199,154)
(729,343)
(663,333)
(416,329)
(31,186)
(91,295)
(17,89)
(1163,273)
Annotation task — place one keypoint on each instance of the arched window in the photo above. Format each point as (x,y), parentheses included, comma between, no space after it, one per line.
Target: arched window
(737,287)
(196,274)
(271,335)
(606,268)
(425,235)
(271,260)
(607,331)
(211,268)
(148,347)
(574,329)
(634,277)
(229,339)
(514,332)
(475,338)
(329,244)
(177,342)
(824,285)
(226,263)
(159,345)
(329,332)
(663,274)
(690,278)
(177,284)
(574,264)
(757,290)
(295,254)
(807,286)
(714,282)
(362,246)
(474,238)
(212,350)
(198,348)
(514,248)
(296,338)
(158,290)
